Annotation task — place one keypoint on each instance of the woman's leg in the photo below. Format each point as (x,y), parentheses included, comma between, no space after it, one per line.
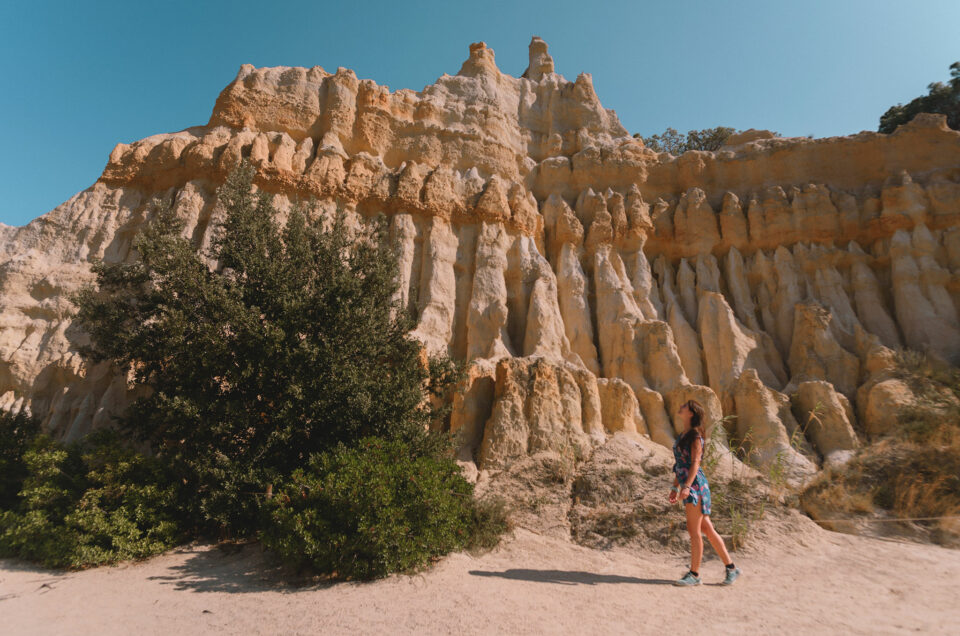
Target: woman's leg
(694,519)
(715,539)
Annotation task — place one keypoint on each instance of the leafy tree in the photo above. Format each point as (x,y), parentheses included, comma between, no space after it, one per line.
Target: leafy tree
(16,434)
(941,98)
(676,143)
(289,346)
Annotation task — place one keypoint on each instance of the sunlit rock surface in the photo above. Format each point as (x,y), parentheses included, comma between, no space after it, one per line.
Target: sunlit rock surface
(593,284)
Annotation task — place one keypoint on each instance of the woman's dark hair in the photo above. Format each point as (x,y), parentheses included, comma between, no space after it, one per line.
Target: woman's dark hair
(696,422)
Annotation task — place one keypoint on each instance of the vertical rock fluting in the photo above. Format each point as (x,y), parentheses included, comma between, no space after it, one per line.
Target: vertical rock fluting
(592,284)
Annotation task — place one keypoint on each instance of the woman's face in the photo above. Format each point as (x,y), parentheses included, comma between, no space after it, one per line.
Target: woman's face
(685,414)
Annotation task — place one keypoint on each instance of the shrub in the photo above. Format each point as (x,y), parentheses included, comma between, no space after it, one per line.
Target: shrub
(940,98)
(490,520)
(16,433)
(913,473)
(366,511)
(90,503)
(294,343)
(676,143)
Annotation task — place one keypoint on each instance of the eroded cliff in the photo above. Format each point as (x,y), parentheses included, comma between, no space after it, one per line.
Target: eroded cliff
(593,284)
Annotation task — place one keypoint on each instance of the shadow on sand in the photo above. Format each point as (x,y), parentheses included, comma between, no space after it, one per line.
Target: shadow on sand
(234,569)
(565,577)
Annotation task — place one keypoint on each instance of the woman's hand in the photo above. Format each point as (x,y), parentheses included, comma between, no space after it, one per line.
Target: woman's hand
(684,492)
(672,497)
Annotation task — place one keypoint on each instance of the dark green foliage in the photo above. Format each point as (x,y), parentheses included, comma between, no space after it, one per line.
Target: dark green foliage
(291,346)
(16,433)
(366,511)
(940,98)
(676,144)
(90,503)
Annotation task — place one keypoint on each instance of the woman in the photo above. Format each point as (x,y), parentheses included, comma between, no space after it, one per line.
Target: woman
(690,485)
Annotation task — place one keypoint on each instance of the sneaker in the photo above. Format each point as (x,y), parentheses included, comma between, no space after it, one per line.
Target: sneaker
(688,579)
(731,576)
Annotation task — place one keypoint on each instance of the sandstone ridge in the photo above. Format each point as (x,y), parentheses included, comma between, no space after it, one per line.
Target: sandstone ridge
(592,283)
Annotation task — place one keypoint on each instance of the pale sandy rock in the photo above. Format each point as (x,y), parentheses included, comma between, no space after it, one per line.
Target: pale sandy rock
(733,223)
(761,270)
(816,354)
(737,283)
(437,289)
(575,308)
(869,299)
(655,416)
(544,335)
(591,406)
(944,196)
(645,289)
(620,409)
(789,291)
(933,277)
(695,223)
(831,291)
(687,290)
(537,406)
(923,329)
(825,416)
(905,200)
(471,409)
(884,404)
(561,227)
(617,317)
(688,346)
(746,136)
(661,360)
(540,61)
(730,348)
(763,419)
(638,212)
(708,274)
(487,335)
(816,217)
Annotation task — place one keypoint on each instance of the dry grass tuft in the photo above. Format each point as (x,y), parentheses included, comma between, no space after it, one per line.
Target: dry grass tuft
(912,474)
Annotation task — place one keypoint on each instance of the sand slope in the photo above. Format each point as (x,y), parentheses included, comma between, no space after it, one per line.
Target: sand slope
(799,579)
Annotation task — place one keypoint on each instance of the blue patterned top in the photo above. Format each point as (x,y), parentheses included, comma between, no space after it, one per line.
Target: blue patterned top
(700,488)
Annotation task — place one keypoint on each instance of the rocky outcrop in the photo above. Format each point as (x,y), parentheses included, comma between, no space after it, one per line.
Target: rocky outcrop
(591,283)
(827,418)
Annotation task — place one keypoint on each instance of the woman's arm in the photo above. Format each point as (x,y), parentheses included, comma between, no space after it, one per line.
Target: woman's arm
(696,449)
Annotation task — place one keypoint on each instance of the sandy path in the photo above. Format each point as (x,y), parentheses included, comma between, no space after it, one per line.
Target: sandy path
(813,580)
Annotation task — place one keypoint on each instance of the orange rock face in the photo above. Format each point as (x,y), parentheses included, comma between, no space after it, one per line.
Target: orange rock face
(533,227)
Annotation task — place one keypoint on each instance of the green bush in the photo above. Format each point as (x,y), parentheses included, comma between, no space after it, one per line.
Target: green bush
(16,433)
(677,143)
(366,511)
(90,503)
(293,343)
(941,98)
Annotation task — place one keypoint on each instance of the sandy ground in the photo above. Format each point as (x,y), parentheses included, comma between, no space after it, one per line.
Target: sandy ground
(803,579)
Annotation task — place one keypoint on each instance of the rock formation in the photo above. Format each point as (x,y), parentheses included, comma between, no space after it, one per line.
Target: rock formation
(592,283)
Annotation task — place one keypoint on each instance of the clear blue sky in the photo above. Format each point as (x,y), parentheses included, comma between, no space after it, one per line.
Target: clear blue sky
(80,77)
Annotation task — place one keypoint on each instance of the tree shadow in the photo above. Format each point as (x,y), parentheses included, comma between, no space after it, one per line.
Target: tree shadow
(566,577)
(236,569)
(18,565)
